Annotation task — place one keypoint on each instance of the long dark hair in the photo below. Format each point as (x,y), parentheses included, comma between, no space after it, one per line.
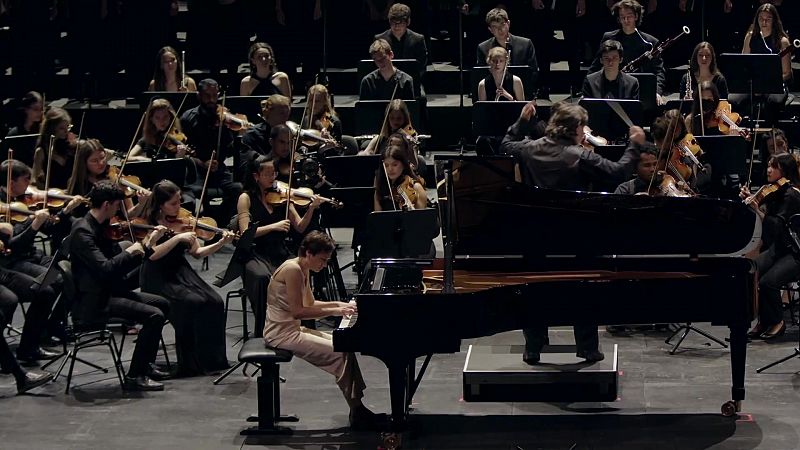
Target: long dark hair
(162,192)
(697,114)
(158,74)
(778,33)
(787,164)
(399,154)
(695,66)
(78,183)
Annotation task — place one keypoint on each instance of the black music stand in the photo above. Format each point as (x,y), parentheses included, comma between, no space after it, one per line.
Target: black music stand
(728,156)
(409,66)
(174,98)
(370,115)
(151,172)
(493,118)
(605,122)
(752,74)
(648,88)
(684,106)
(525,74)
(792,225)
(400,234)
(25,141)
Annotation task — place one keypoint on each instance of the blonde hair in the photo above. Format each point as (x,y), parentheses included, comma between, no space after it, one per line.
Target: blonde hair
(273,101)
(149,131)
(494,52)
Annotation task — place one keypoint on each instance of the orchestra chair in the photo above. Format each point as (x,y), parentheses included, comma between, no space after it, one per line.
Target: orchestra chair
(242,295)
(268,359)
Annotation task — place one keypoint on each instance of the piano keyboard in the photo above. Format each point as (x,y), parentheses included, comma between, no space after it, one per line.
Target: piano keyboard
(348,322)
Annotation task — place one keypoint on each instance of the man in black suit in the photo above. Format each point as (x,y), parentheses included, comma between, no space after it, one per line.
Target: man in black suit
(386,82)
(522,50)
(405,43)
(629,15)
(100,269)
(610,82)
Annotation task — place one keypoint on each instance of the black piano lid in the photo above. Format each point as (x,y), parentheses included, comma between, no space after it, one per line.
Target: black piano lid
(495,215)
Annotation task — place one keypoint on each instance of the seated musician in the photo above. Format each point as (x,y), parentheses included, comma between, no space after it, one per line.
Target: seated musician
(158,140)
(500,82)
(702,123)
(324,118)
(196,310)
(668,131)
(275,111)
(405,43)
(264,78)
(100,268)
(396,186)
(645,171)
(778,262)
(9,283)
(201,125)
(703,67)
(269,247)
(767,36)
(557,161)
(629,15)
(57,123)
(773,142)
(290,299)
(386,82)
(610,82)
(31,112)
(281,143)
(522,51)
(170,74)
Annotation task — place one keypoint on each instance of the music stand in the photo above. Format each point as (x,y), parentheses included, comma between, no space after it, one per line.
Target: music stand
(370,115)
(605,122)
(493,118)
(684,106)
(174,98)
(400,234)
(752,74)
(478,73)
(409,66)
(648,88)
(351,170)
(151,172)
(728,156)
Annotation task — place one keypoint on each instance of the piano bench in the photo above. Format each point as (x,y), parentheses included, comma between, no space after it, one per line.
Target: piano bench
(256,352)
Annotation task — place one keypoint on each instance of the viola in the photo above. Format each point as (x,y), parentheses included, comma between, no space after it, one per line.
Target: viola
(727,121)
(206,227)
(278,194)
(669,187)
(119,230)
(131,183)
(234,122)
(765,191)
(683,157)
(405,196)
(56,198)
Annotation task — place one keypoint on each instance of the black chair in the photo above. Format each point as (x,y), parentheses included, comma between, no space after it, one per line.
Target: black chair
(242,295)
(267,359)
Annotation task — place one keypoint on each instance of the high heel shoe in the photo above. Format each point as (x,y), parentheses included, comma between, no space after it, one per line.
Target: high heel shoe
(756,332)
(767,336)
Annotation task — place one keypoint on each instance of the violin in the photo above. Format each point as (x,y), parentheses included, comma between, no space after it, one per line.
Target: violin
(590,141)
(683,157)
(206,227)
(765,191)
(119,230)
(669,187)
(234,122)
(278,194)
(131,183)
(56,198)
(406,196)
(727,121)
(174,140)
(18,211)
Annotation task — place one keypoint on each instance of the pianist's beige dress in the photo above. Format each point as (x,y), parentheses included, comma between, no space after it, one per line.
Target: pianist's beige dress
(281,330)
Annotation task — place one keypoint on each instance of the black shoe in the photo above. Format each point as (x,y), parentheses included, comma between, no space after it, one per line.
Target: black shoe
(33,358)
(142,383)
(158,375)
(767,336)
(591,356)
(362,419)
(531,358)
(32,380)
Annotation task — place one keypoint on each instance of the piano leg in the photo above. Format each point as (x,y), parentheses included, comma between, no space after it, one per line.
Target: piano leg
(398,393)
(738,341)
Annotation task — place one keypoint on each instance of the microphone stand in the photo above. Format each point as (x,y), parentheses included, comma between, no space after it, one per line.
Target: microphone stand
(462,139)
(324,6)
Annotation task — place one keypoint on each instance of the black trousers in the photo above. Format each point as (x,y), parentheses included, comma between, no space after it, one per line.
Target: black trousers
(586,338)
(150,310)
(23,288)
(8,302)
(776,267)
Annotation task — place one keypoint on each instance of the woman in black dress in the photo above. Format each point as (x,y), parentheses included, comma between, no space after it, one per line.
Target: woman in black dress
(269,246)
(264,78)
(196,310)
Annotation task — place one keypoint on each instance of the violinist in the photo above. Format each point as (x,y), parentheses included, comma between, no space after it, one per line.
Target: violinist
(709,127)
(264,78)
(170,70)
(767,36)
(398,119)
(201,125)
(668,131)
(275,111)
(386,82)
(196,310)
(281,143)
(101,268)
(158,139)
(269,247)
(500,82)
(324,118)
(57,123)
(703,67)
(645,171)
(610,82)
(777,264)
(557,161)
(405,190)
(773,143)
(31,111)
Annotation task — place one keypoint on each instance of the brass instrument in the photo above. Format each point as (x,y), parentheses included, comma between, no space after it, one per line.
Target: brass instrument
(654,53)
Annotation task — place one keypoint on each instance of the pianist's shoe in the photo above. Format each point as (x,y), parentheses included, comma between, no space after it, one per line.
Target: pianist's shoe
(591,355)
(362,419)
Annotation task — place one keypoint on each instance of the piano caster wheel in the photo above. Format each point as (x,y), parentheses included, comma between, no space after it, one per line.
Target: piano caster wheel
(391,441)
(731,407)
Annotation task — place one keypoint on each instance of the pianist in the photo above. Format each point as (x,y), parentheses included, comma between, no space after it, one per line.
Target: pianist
(290,299)
(557,161)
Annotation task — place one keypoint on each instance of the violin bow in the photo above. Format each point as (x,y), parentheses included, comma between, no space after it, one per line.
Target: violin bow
(702,114)
(49,166)
(171,125)
(389,186)
(292,153)
(752,150)
(130,148)
(203,192)
(386,114)
(8,184)
(668,141)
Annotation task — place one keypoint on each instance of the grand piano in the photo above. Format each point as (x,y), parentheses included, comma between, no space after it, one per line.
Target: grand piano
(517,256)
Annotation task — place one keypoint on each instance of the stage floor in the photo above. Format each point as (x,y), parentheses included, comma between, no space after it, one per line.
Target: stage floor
(666,402)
